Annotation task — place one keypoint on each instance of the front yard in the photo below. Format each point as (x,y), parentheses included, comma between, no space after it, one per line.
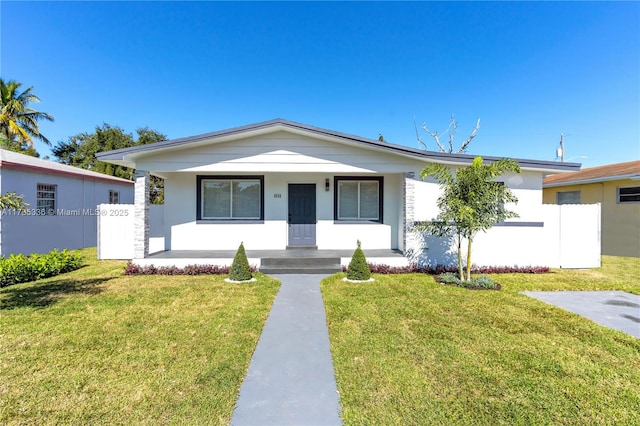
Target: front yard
(96,347)
(409,351)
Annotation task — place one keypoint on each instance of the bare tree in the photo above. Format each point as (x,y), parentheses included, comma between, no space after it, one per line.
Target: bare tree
(451,131)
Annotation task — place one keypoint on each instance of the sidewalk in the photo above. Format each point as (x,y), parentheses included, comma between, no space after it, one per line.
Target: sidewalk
(290,379)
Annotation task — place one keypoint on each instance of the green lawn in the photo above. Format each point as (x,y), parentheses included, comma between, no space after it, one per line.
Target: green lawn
(96,347)
(409,351)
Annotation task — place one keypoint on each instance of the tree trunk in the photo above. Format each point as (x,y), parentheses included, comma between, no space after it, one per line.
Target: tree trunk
(469,260)
(460,268)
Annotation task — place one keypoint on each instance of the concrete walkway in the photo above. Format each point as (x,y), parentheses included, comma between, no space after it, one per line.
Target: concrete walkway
(291,379)
(615,309)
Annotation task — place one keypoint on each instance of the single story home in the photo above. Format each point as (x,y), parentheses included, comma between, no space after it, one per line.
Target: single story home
(279,184)
(62,211)
(617,188)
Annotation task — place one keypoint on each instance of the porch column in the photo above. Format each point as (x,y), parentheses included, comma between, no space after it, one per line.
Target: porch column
(141,215)
(408,192)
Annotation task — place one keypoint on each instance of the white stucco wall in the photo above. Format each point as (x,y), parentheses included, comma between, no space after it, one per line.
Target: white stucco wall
(183,232)
(75,225)
(537,237)
(526,186)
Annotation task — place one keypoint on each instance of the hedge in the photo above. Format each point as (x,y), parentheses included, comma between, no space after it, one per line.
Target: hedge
(18,268)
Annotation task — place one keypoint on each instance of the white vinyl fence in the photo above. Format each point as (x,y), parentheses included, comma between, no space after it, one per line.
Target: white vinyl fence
(579,235)
(115,230)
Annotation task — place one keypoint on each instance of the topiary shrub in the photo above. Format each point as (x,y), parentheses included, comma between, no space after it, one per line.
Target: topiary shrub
(358,269)
(240,269)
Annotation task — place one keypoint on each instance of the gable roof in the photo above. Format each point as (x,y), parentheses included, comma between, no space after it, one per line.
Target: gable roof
(14,160)
(618,171)
(127,156)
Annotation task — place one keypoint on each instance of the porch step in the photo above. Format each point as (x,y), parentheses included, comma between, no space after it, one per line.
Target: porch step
(300,265)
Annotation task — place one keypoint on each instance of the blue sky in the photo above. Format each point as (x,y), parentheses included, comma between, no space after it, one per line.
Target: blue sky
(529,71)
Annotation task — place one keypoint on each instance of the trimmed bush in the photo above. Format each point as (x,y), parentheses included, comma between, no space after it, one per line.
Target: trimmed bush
(479,282)
(240,269)
(358,269)
(18,268)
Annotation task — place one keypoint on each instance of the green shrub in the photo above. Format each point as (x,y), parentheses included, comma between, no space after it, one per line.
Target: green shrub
(18,268)
(481,281)
(240,269)
(484,281)
(449,278)
(358,269)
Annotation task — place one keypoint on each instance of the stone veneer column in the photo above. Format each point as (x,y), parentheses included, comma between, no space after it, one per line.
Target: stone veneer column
(141,215)
(408,211)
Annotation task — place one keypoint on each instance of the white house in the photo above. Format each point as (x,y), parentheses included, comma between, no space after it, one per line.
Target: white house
(279,184)
(62,204)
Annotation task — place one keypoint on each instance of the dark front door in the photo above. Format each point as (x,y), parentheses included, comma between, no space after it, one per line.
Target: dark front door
(302,214)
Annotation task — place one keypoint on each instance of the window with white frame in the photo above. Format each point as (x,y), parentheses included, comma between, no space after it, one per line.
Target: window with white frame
(230,197)
(629,194)
(568,197)
(46,199)
(358,198)
(114,197)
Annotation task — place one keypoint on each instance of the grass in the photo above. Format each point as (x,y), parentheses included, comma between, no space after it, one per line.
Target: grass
(409,351)
(96,347)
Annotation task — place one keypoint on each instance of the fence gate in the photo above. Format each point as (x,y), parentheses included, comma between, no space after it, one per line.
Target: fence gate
(579,235)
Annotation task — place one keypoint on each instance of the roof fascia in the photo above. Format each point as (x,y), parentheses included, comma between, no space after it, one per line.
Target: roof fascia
(31,167)
(632,176)
(127,156)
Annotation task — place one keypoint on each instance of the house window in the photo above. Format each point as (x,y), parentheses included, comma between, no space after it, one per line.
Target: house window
(46,199)
(630,194)
(230,197)
(114,197)
(568,197)
(358,198)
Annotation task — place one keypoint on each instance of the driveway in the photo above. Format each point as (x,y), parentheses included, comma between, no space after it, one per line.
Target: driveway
(614,309)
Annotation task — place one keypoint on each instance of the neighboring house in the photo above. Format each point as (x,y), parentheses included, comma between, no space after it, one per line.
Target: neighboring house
(62,204)
(280,184)
(617,188)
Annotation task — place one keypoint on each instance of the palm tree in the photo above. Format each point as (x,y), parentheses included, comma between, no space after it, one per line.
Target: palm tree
(17,119)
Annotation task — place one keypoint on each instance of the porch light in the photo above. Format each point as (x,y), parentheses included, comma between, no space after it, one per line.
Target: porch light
(326,184)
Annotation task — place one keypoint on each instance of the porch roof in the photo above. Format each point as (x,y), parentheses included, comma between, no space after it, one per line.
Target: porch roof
(128,156)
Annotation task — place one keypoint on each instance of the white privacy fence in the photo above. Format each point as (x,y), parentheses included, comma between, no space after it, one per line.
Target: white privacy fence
(579,235)
(115,230)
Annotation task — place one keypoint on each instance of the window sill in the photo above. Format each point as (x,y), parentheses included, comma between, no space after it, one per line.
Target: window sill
(230,221)
(522,224)
(356,222)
